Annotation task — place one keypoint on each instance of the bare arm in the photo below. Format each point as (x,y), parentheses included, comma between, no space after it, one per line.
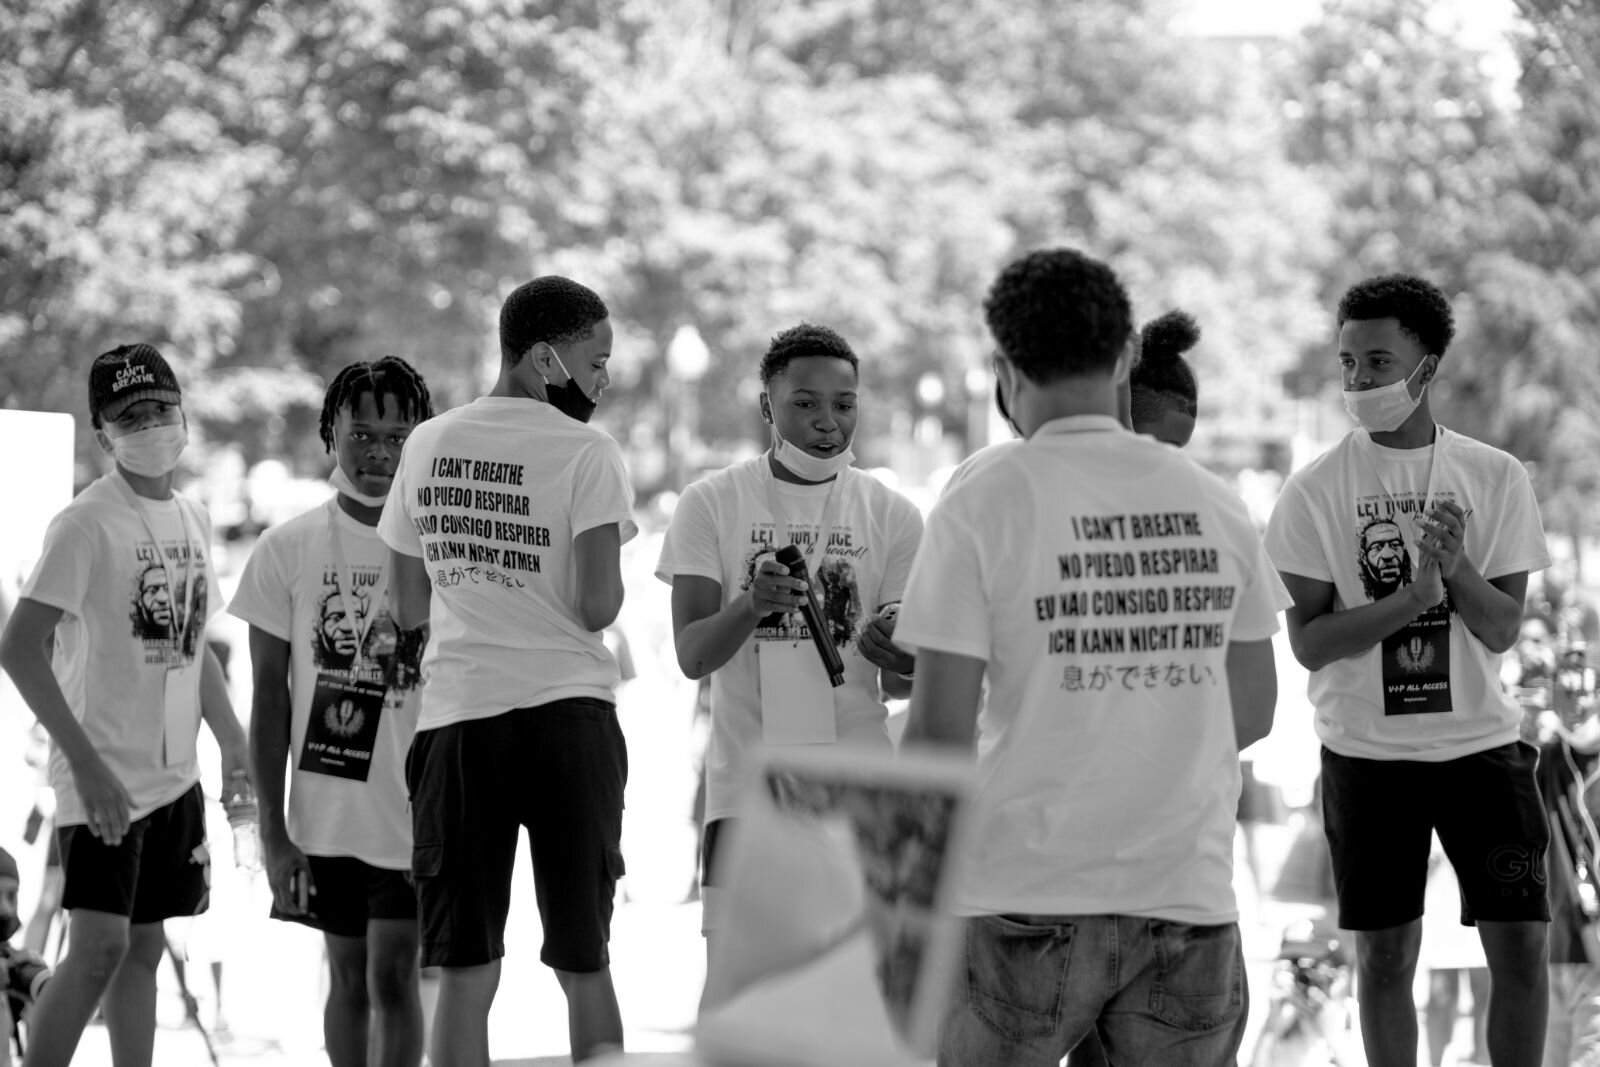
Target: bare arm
(410,591)
(597,554)
(25,651)
(1319,635)
(944,702)
(270,716)
(706,633)
(216,708)
(1253,686)
(1491,611)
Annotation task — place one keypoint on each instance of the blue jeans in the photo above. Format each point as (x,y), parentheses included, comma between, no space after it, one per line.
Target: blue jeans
(1159,992)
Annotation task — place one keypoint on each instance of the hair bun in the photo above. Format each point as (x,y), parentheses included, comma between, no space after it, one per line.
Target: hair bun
(1167,337)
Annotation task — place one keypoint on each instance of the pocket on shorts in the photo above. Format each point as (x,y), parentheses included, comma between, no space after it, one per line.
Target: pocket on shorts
(1016,973)
(1199,981)
(427,861)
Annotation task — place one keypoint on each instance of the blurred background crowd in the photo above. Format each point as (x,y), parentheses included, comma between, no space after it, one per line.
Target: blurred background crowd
(268,191)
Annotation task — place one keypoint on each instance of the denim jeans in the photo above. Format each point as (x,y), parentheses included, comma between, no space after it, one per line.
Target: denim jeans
(1572,1031)
(1034,985)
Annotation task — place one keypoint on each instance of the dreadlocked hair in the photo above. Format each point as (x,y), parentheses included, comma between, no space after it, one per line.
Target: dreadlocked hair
(389,376)
(1163,377)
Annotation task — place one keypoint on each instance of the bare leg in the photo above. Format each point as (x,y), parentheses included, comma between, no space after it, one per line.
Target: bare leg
(130,1000)
(1386,962)
(396,1036)
(1519,996)
(594,1021)
(461,1027)
(345,1015)
(96,944)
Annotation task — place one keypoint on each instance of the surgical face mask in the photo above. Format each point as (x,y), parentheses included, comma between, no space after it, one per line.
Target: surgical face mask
(1385,408)
(567,398)
(341,481)
(805,465)
(150,453)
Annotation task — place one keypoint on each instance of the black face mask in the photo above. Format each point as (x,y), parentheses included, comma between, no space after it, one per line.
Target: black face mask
(567,398)
(570,400)
(1000,406)
(8,926)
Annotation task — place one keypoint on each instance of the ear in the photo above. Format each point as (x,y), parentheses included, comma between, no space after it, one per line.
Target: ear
(1430,367)
(104,439)
(766,409)
(1123,369)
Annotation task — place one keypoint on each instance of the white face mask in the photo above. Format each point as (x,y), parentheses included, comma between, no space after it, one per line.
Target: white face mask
(1385,408)
(150,453)
(341,481)
(805,465)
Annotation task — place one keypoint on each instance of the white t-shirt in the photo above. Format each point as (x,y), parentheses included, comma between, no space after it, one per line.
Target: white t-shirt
(122,627)
(1432,691)
(720,529)
(491,496)
(1101,576)
(347,793)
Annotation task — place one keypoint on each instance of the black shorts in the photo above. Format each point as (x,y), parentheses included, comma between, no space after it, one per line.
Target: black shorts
(559,769)
(351,893)
(161,870)
(1380,816)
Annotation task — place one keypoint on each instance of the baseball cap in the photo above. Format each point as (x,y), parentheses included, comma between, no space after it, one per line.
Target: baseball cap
(126,375)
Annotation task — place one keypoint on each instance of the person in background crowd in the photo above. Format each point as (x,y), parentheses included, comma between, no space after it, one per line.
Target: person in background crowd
(343,714)
(506,519)
(23,974)
(1101,726)
(734,607)
(1403,645)
(123,704)
(1163,393)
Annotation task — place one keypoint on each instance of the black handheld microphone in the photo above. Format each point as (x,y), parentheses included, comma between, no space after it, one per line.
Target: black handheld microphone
(791,558)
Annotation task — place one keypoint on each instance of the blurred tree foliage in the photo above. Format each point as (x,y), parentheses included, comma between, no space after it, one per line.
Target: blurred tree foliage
(271,190)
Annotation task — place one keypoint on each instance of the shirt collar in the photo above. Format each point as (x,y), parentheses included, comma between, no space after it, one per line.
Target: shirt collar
(1080,424)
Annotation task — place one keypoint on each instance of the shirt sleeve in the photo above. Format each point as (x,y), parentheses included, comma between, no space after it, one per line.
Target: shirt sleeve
(394,525)
(61,578)
(209,547)
(691,545)
(907,538)
(263,598)
(1292,542)
(946,608)
(1262,597)
(601,492)
(1521,544)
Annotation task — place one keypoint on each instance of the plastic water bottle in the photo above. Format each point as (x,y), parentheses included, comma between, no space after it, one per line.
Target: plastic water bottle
(240,804)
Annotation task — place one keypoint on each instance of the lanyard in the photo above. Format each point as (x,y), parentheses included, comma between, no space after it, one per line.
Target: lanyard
(1436,453)
(181,601)
(347,586)
(781,517)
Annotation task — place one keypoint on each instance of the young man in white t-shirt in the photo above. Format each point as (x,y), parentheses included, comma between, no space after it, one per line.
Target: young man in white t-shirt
(107,646)
(506,520)
(1407,549)
(734,607)
(1113,598)
(336,694)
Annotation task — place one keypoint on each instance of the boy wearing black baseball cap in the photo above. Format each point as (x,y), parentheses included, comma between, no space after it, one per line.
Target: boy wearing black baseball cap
(107,647)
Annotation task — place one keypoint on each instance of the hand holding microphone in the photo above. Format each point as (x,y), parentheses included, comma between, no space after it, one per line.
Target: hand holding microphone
(811,610)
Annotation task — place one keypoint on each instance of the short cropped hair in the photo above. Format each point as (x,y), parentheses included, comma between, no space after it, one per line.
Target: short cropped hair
(1417,304)
(551,309)
(803,340)
(1058,313)
(1163,380)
